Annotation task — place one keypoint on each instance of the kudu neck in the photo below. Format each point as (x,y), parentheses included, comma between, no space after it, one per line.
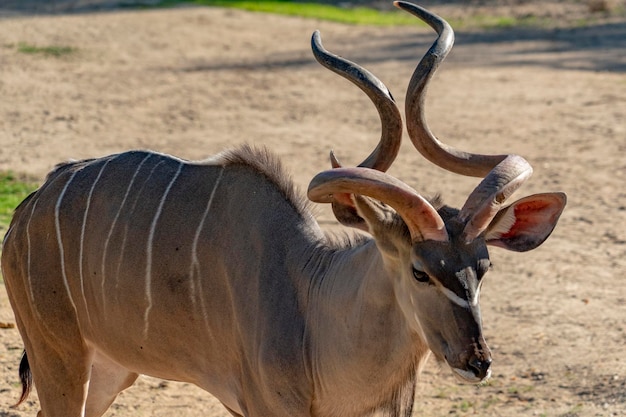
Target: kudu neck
(355,324)
(353,273)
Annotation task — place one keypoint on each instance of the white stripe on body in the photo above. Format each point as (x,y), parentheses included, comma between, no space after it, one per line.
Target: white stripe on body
(113,224)
(57,225)
(28,256)
(149,250)
(194,270)
(6,236)
(132,209)
(82,240)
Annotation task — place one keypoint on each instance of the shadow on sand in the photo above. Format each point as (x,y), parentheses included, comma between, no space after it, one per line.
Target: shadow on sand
(600,47)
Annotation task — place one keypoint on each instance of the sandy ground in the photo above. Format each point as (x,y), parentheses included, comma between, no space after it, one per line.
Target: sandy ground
(194,81)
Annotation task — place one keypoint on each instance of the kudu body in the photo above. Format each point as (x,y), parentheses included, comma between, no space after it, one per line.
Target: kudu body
(216,273)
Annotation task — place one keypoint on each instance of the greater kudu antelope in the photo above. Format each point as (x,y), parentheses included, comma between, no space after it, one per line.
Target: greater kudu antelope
(216,273)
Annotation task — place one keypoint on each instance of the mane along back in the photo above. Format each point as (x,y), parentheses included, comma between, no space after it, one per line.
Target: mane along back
(267,164)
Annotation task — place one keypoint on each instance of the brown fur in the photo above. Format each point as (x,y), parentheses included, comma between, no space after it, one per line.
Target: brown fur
(267,164)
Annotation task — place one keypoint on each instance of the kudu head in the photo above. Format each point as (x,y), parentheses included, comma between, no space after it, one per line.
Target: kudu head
(439,255)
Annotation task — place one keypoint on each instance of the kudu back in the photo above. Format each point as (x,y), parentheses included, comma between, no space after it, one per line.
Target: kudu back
(216,273)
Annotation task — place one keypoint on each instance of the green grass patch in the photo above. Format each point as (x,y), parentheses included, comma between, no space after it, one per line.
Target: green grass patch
(13,189)
(350,15)
(361,15)
(56,51)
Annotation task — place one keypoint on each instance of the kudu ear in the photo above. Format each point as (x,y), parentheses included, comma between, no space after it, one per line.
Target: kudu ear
(363,213)
(375,215)
(420,222)
(527,223)
(346,213)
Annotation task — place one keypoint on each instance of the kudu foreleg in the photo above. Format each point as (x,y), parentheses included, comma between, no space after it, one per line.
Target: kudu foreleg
(107,380)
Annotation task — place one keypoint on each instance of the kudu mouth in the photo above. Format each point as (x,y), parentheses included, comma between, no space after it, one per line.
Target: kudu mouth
(470,367)
(477,371)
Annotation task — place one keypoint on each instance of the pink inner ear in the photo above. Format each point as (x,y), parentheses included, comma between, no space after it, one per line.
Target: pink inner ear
(533,216)
(344,198)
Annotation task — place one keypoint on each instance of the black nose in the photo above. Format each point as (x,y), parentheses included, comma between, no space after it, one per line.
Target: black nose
(480,366)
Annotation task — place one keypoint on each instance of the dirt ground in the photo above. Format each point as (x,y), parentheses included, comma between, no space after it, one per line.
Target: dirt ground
(193,81)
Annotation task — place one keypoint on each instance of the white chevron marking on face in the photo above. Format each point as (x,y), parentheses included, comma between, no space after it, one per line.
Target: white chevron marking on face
(454,298)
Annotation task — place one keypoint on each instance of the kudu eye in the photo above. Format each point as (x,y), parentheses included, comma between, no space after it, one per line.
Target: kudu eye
(483,267)
(420,276)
